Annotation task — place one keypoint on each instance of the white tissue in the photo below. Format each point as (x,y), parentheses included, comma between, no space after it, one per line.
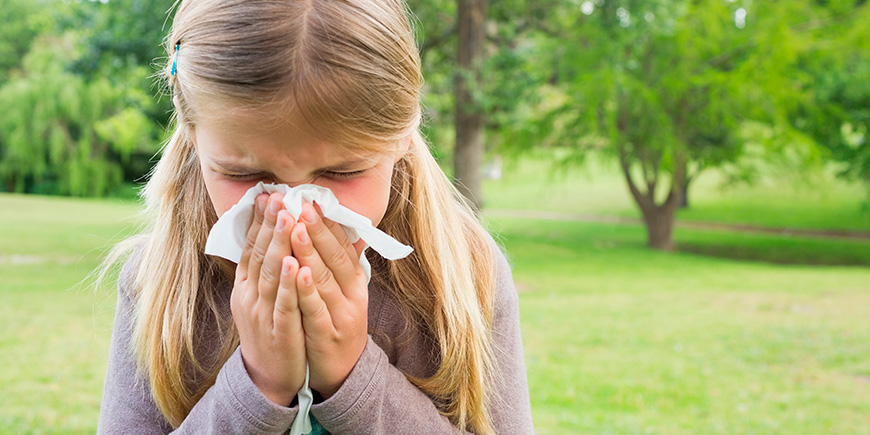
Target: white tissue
(227,239)
(227,236)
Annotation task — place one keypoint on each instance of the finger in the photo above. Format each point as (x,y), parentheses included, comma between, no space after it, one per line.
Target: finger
(335,250)
(339,233)
(264,237)
(316,318)
(358,247)
(324,280)
(251,237)
(270,273)
(287,319)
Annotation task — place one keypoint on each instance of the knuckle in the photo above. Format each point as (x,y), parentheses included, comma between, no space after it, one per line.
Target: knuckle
(234,304)
(270,221)
(267,275)
(363,298)
(342,237)
(250,243)
(323,277)
(336,337)
(258,253)
(317,229)
(338,258)
(249,296)
(239,278)
(281,309)
(321,310)
(285,305)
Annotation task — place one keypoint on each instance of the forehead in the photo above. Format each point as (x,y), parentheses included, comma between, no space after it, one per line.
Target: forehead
(244,140)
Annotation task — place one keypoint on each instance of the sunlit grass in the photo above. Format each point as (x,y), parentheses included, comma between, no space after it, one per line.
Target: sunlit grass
(53,332)
(618,338)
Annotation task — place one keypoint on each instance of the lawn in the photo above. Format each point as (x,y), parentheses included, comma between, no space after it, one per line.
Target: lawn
(618,339)
(623,340)
(53,333)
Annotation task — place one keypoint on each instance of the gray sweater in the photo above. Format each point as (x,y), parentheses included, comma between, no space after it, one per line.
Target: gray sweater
(376,398)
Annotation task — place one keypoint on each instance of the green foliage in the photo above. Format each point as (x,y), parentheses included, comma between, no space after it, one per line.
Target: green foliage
(648,79)
(78,115)
(16,33)
(122,34)
(63,134)
(509,76)
(657,79)
(671,88)
(837,112)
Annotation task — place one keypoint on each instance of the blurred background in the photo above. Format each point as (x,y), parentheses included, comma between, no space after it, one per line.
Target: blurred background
(682,188)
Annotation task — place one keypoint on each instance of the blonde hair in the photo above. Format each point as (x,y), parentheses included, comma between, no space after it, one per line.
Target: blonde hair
(351,69)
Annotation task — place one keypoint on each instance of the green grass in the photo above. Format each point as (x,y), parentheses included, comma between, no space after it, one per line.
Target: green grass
(53,333)
(818,201)
(618,339)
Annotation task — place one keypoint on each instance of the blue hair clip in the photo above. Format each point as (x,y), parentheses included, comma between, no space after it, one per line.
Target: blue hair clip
(175,58)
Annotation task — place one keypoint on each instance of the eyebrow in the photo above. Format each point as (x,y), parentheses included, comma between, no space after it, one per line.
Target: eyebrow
(240,168)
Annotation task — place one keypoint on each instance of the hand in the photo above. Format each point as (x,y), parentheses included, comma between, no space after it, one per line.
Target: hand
(265,305)
(333,298)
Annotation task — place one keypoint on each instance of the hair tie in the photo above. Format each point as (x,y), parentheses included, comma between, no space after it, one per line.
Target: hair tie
(175,58)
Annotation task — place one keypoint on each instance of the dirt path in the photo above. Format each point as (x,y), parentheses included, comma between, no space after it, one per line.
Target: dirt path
(581,217)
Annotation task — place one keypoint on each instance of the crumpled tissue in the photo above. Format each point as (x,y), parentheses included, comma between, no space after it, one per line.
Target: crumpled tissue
(227,239)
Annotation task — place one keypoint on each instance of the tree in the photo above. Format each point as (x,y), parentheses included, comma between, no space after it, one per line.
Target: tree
(78,115)
(62,134)
(663,86)
(469,121)
(493,90)
(836,110)
(21,24)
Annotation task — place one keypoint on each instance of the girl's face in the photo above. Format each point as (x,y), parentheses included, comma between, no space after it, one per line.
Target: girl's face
(237,152)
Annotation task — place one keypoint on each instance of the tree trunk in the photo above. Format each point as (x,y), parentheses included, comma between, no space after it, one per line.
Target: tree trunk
(658,218)
(469,122)
(659,227)
(684,200)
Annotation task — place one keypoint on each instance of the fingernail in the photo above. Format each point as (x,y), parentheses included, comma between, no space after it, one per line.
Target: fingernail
(261,205)
(275,206)
(308,216)
(286,269)
(281,223)
(307,280)
(303,236)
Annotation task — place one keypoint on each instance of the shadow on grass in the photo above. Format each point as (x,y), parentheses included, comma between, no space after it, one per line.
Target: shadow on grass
(776,250)
(622,242)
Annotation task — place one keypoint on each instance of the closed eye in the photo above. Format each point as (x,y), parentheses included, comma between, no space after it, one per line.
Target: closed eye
(334,174)
(244,176)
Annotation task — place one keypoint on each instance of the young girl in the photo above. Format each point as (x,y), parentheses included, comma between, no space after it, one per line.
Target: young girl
(323,92)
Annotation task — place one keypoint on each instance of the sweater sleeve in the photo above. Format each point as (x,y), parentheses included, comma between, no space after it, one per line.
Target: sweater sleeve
(233,405)
(377,398)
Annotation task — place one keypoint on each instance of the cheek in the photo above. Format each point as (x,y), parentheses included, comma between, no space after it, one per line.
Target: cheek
(225,193)
(368,196)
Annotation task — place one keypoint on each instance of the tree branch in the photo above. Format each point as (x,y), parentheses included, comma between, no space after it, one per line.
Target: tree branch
(641,200)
